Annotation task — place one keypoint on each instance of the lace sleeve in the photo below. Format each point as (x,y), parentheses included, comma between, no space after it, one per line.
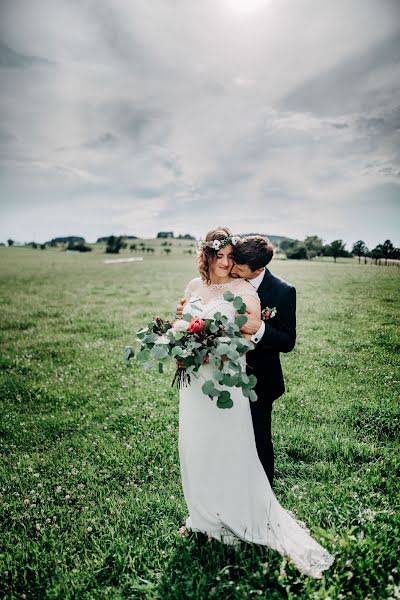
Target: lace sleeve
(190,288)
(246,289)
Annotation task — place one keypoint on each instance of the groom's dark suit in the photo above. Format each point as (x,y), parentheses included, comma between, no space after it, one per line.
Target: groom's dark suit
(264,362)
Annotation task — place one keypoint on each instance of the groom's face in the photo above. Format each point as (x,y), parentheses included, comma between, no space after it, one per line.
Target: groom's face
(244,271)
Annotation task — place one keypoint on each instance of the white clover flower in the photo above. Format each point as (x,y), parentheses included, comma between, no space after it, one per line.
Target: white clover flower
(180,325)
(235,240)
(216,244)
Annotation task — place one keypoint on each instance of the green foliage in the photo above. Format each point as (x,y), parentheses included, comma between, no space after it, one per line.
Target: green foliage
(359,249)
(78,246)
(115,244)
(313,246)
(91,500)
(217,342)
(294,249)
(337,248)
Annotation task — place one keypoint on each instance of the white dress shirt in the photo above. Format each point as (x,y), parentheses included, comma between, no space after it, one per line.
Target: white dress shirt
(256,282)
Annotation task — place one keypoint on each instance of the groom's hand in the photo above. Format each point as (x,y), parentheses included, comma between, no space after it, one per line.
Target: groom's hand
(179,309)
(252,325)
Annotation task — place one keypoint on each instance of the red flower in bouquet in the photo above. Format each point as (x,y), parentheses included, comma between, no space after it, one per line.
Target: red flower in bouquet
(196,325)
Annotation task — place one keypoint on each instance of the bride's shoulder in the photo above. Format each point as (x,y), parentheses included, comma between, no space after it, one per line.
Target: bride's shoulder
(244,287)
(193,285)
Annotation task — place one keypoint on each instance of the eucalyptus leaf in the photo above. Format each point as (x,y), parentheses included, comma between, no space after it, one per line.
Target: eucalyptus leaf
(129,353)
(241,320)
(224,401)
(208,389)
(245,378)
(233,354)
(218,376)
(148,365)
(159,352)
(228,296)
(238,302)
(151,338)
(143,354)
(252,380)
(252,396)
(177,351)
(187,317)
(222,349)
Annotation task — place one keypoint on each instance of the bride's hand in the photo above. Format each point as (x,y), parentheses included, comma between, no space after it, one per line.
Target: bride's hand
(247,336)
(179,309)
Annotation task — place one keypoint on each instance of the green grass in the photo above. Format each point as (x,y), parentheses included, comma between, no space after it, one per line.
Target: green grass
(91,500)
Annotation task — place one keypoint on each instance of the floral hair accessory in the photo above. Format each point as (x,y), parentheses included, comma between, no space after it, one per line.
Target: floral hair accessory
(219,244)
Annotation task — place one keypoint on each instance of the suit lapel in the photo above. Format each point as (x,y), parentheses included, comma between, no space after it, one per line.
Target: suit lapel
(265,287)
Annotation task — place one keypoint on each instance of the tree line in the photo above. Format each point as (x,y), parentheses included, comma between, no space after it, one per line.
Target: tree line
(313,246)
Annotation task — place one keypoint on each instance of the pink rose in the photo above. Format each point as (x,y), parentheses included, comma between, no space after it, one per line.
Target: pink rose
(267,314)
(196,325)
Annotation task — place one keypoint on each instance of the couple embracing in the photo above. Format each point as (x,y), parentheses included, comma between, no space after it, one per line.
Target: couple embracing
(226,456)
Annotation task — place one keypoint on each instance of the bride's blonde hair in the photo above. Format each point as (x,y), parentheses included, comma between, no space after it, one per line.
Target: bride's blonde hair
(207,256)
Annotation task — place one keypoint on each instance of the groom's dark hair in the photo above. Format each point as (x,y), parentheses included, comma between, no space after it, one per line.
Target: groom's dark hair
(254,251)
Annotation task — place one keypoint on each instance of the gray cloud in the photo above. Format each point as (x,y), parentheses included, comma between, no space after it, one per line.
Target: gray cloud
(279,115)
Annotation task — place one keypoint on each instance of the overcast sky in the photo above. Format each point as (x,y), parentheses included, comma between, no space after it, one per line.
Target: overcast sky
(135,116)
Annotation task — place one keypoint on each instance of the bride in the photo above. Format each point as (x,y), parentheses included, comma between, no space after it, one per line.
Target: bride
(227,492)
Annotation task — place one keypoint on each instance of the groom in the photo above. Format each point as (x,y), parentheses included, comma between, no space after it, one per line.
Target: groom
(251,256)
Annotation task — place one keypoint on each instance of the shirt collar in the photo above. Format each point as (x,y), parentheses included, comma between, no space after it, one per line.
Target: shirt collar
(256,282)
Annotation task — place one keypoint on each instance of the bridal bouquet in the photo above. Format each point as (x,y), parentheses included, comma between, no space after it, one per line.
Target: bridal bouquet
(194,342)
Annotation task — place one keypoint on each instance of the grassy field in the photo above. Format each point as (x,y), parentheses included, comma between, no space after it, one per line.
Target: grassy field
(90,486)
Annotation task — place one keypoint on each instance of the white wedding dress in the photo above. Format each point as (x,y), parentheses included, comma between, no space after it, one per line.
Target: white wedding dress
(227,492)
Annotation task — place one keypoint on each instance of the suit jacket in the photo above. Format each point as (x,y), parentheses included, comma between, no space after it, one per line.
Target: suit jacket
(279,336)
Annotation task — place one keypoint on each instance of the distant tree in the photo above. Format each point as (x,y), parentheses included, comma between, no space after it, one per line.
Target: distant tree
(167,250)
(297,251)
(286,245)
(78,247)
(133,247)
(165,234)
(314,245)
(115,244)
(43,246)
(338,248)
(360,249)
(294,249)
(387,250)
(10,242)
(377,253)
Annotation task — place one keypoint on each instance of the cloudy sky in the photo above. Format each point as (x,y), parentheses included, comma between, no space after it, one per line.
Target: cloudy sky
(133,116)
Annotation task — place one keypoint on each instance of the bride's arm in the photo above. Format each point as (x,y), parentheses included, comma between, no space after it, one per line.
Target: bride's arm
(186,295)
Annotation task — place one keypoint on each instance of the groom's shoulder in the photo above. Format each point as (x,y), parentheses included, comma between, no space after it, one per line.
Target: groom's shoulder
(280,282)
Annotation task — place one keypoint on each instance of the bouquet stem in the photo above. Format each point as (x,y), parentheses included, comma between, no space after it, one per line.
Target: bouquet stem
(181,378)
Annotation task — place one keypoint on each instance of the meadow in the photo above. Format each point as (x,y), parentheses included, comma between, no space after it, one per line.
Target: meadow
(91,501)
